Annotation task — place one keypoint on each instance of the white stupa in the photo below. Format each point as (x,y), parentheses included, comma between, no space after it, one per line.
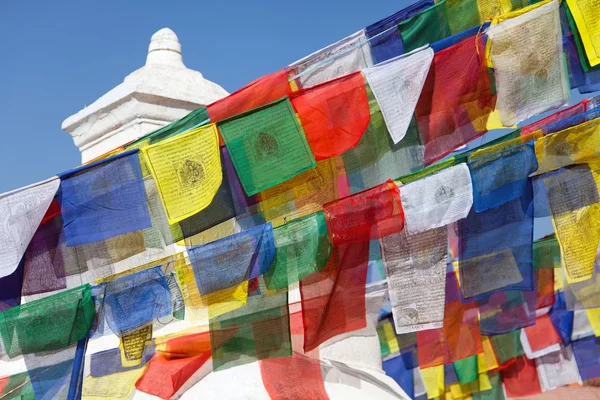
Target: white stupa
(161,91)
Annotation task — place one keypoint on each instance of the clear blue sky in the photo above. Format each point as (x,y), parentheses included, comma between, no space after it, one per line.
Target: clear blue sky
(58,56)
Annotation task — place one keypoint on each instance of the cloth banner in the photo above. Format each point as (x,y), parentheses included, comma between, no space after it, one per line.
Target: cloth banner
(334,114)
(301,248)
(401,369)
(505,311)
(562,319)
(234,259)
(187,171)
(260,139)
(416,271)
(397,85)
(557,369)
(348,55)
(551,119)
(451,111)
(541,338)
(573,121)
(507,347)
(521,378)
(586,355)
(431,202)
(526,54)
(585,15)
(21,212)
(296,377)
(103,199)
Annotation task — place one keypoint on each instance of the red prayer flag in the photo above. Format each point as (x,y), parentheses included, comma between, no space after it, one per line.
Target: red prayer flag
(521,378)
(456,100)
(544,282)
(53,211)
(334,114)
(295,377)
(542,334)
(259,92)
(557,116)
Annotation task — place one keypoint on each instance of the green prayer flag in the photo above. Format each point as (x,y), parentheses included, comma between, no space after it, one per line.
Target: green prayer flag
(17,387)
(267,145)
(301,248)
(507,346)
(466,369)
(496,393)
(546,253)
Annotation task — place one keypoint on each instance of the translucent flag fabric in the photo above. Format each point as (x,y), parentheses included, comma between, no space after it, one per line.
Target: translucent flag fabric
(103,199)
(397,84)
(301,248)
(451,111)
(557,369)
(190,121)
(259,92)
(21,212)
(108,362)
(586,356)
(572,121)
(554,118)
(376,158)
(526,54)
(51,323)
(120,385)
(334,114)
(365,216)
(432,202)
(187,170)
(400,368)
(228,262)
(507,347)
(348,55)
(384,38)
(258,331)
(416,272)
(521,378)
(296,377)
(575,145)
(574,204)
(259,140)
(541,337)
(136,300)
(502,176)
(562,319)
(585,16)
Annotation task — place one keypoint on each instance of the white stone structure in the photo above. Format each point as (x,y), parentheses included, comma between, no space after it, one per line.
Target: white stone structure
(161,91)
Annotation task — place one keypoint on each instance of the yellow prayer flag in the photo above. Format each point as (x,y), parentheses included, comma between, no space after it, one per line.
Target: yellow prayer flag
(433,378)
(586,15)
(187,170)
(481,384)
(486,361)
(593,315)
(113,386)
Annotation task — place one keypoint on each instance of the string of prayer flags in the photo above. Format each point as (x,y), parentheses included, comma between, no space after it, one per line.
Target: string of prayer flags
(51,323)
(103,199)
(585,17)
(431,202)
(456,100)
(384,36)
(227,262)
(521,378)
(348,55)
(364,216)
(526,54)
(187,171)
(376,158)
(260,139)
(574,204)
(416,271)
(259,92)
(21,211)
(137,299)
(553,118)
(573,121)
(258,331)
(397,84)
(334,114)
(301,248)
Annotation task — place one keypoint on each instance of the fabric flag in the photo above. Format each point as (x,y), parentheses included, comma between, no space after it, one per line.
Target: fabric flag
(521,378)
(431,202)
(194,119)
(334,114)
(51,323)
(557,369)
(507,347)
(586,355)
(376,158)
(584,294)
(546,257)
(466,369)
(458,338)
(562,114)
(505,311)
(416,271)
(120,385)
(259,92)
(136,300)
(562,319)
(301,248)
(451,111)
(502,177)
(400,368)
(433,378)
(259,140)
(540,339)
(388,343)
(22,211)
(575,145)
(228,262)
(103,199)
(574,203)
(397,85)
(487,360)
(585,15)
(348,55)
(526,54)
(258,331)
(495,393)
(176,361)
(368,215)
(187,171)
(384,37)
(296,377)
(108,362)
(573,121)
